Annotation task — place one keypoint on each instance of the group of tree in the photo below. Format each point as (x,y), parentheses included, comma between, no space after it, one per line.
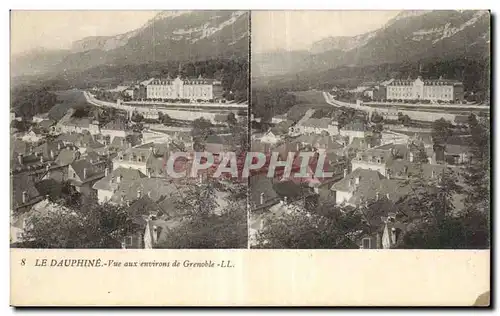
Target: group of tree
(29,100)
(89,225)
(270,102)
(473,72)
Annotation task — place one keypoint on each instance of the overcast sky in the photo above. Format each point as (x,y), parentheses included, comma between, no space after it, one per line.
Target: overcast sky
(58,29)
(271,30)
(297,30)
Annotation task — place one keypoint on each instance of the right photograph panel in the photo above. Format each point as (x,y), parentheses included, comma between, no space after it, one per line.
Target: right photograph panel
(370,130)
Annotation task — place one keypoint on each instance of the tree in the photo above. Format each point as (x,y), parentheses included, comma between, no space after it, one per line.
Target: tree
(201,129)
(228,230)
(404,119)
(137,117)
(376,118)
(91,225)
(164,118)
(231,119)
(434,223)
(200,199)
(441,130)
(477,175)
(326,227)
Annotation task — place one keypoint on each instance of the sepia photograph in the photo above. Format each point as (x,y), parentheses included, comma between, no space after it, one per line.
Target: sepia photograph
(383,119)
(249,157)
(119,123)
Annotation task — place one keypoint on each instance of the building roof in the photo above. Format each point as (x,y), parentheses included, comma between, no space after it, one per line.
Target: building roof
(144,205)
(116,125)
(370,183)
(156,188)
(92,171)
(187,81)
(355,126)
(261,184)
(282,127)
(67,156)
(23,183)
(290,190)
(427,82)
(111,182)
(50,149)
(46,123)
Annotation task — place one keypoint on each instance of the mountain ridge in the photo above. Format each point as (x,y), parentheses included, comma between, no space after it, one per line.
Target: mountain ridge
(409,36)
(212,34)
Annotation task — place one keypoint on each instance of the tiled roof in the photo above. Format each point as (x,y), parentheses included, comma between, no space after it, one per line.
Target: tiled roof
(261,184)
(427,82)
(156,188)
(92,171)
(46,123)
(144,206)
(290,189)
(355,126)
(67,156)
(110,182)
(116,125)
(282,127)
(23,183)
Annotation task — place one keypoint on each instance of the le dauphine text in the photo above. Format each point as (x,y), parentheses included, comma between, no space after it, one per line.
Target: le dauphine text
(97,263)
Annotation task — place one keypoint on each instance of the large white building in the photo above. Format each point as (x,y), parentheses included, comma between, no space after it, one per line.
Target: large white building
(193,89)
(420,89)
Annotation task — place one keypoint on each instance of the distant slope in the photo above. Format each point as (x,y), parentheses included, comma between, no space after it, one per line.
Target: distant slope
(410,36)
(170,36)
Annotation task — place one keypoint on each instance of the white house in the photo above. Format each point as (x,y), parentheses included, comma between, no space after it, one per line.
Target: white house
(270,138)
(31,137)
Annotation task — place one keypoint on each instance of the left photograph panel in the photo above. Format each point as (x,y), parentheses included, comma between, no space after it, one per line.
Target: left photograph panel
(127,127)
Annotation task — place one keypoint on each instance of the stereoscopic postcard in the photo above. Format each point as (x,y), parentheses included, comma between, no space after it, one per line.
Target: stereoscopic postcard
(250,158)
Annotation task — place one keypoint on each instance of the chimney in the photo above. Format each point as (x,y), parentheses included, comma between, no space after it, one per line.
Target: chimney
(25,197)
(388,174)
(357,180)
(393,235)
(411,156)
(345,172)
(106,172)
(58,146)
(155,234)
(20,158)
(262,198)
(84,173)
(139,194)
(119,179)
(433,175)
(377,196)
(285,200)
(52,155)
(388,196)
(149,173)
(129,144)
(47,167)
(41,158)
(149,194)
